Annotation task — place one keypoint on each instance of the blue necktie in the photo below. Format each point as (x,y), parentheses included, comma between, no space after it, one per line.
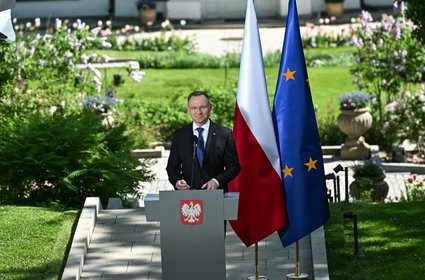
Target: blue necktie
(200,146)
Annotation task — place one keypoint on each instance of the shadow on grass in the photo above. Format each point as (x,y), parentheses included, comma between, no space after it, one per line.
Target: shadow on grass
(390,237)
(46,271)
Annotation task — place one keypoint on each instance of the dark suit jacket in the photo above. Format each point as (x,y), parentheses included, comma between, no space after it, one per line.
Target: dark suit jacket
(220,159)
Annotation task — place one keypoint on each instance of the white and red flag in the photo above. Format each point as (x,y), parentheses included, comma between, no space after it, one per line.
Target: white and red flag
(261,203)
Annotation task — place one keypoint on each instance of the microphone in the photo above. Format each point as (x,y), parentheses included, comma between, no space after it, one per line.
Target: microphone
(195,142)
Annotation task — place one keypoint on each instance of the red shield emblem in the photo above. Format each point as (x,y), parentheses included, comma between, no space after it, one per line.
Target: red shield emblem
(191,212)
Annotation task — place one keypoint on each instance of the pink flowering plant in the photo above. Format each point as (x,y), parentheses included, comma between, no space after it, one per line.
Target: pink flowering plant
(406,118)
(353,100)
(415,189)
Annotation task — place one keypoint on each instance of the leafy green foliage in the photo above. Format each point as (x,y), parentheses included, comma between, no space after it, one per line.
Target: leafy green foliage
(65,159)
(368,169)
(163,60)
(416,12)
(161,118)
(329,132)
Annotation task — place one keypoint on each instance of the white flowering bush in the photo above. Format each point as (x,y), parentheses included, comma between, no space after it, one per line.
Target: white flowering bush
(51,96)
(389,62)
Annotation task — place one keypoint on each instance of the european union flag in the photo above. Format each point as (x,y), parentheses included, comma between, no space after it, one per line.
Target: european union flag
(298,140)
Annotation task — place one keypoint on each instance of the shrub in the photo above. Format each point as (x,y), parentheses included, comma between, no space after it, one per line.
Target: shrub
(406,119)
(389,62)
(163,43)
(65,159)
(179,60)
(157,120)
(329,132)
(368,169)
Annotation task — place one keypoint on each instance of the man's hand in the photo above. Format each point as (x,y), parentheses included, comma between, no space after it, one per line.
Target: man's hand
(182,185)
(210,185)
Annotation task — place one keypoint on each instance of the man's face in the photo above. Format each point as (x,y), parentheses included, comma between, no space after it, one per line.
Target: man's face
(199,109)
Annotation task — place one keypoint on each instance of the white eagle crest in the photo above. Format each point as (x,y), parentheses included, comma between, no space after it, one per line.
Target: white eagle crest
(191,212)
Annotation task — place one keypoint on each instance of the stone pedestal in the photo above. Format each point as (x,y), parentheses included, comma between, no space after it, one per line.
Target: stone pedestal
(355,148)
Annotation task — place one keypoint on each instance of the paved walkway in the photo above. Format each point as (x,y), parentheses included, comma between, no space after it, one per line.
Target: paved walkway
(125,246)
(219,41)
(395,180)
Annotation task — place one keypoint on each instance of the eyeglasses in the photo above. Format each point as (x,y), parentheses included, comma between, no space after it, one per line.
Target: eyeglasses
(195,109)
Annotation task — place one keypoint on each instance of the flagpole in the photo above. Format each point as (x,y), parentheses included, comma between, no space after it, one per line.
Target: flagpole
(257,274)
(298,274)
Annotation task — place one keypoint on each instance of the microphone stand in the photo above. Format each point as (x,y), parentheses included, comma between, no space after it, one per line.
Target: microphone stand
(195,141)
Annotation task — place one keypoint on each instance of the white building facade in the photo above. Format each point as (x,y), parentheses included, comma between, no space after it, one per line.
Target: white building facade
(174,9)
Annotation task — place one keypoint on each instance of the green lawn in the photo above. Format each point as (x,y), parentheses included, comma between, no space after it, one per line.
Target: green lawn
(391,237)
(326,82)
(33,241)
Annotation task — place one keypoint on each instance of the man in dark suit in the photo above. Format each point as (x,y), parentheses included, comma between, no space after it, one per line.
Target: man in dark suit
(203,154)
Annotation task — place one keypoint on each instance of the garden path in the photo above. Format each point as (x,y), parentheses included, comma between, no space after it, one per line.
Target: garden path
(125,246)
(395,180)
(219,41)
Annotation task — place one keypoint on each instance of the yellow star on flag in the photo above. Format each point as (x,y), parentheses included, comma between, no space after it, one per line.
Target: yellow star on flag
(287,171)
(311,164)
(289,74)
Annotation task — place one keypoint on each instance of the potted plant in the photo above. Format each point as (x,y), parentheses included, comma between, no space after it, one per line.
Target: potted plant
(147,11)
(355,119)
(335,8)
(369,180)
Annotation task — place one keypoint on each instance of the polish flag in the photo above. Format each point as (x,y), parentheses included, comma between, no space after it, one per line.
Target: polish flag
(261,203)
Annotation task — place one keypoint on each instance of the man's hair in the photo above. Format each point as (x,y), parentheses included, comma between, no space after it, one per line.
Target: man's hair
(198,93)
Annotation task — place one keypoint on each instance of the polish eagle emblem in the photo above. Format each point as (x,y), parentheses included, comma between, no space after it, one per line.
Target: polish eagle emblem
(191,212)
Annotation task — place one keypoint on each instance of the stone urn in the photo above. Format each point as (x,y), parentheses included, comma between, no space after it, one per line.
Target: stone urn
(147,15)
(335,9)
(376,185)
(354,123)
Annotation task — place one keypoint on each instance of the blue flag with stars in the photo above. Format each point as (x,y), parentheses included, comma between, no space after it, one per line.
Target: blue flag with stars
(298,140)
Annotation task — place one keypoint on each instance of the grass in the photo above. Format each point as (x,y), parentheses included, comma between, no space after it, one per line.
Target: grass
(391,237)
(326,82)
(33,241)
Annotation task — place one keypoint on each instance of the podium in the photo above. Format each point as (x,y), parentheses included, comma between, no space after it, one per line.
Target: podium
(192,231)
